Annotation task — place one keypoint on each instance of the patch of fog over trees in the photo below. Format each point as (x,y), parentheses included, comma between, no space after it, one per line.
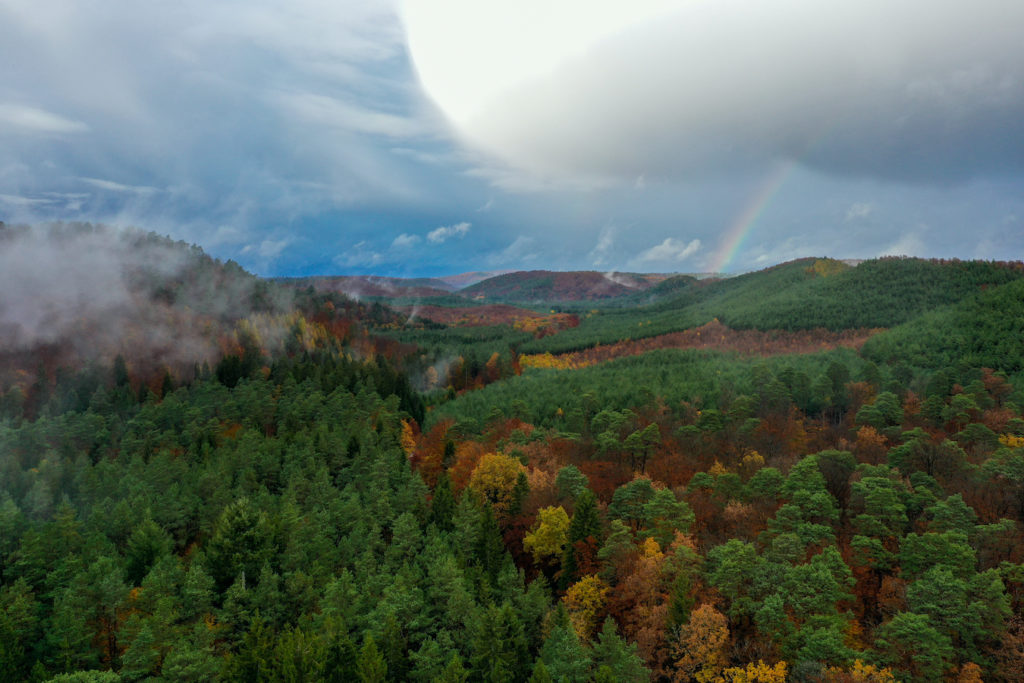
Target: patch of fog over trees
(70,292)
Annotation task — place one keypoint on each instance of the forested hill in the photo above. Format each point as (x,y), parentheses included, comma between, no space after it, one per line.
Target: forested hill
(539,286)
(711,489)
(78,295)
(363,286)
(800,295)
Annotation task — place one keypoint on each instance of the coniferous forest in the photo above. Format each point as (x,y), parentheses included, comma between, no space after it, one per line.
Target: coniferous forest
(813,472)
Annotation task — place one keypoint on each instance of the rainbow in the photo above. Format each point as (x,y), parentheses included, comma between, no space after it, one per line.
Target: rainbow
(743,225)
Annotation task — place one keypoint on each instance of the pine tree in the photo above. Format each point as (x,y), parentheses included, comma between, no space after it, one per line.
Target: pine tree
(370,665)
(563,655)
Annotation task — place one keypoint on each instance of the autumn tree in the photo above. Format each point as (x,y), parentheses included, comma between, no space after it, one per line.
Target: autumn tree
(549,535)
(495,478)
(585,601)
(699,648)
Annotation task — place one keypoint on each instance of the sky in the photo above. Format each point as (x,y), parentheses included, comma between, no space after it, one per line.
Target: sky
(431,138)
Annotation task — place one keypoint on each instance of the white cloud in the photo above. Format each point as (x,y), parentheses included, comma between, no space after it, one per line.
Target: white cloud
(227,234)
(599,254)
(669,251)
(111,186)
(532,181)
(360,255)
(33,120)
(325,111)
(404,241)
(271,249)
(521,250)
(778,251)
(859,210)
(19,201)
(676,87)
(440,235)
(909,244)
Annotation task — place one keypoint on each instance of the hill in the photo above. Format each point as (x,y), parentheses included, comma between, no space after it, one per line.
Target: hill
(79,294)
(372,286)
(463,280)
(542,286)
(985,329)
(805,294)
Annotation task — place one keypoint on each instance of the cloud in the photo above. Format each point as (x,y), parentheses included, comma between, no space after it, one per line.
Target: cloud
(918,91)
(533,180)
(859,211)
(599,254)
(118,187)
(246,113)
(359,255)
(22,202)
(909,244)
(669,251)
(271,249)
(444,233)
(405,241)
(267,250)
(227,234)
(521,250)
(32,120)
(336,113)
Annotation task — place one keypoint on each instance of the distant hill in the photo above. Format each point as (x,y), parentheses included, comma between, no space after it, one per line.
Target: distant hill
(74,294)
(463,280)
(537,286)
(825,293)
(362,286)
(804,294)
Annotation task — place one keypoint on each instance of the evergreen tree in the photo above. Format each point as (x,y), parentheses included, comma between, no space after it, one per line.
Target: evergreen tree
(370,664)
(499,647)
(562,654)
(615,660)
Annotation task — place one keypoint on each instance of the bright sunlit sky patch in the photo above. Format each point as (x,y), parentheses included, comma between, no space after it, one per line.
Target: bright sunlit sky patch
(426,138)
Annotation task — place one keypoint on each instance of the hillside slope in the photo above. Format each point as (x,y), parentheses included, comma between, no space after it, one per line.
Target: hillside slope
(538,286)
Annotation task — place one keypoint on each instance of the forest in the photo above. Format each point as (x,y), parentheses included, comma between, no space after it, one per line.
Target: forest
(809,473)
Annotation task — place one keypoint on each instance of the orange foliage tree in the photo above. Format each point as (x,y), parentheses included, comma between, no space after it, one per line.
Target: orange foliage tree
(699,647)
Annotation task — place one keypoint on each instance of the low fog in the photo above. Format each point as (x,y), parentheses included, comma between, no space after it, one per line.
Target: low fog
(76,292)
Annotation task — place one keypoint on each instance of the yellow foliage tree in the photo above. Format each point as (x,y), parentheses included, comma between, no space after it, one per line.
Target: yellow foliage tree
(547,360)
(699,647)
(494,478)
(1011,440)
(650,548)
(585,601)
(408,438)
(751,463)
(754,673)
(861,672)
(550,534)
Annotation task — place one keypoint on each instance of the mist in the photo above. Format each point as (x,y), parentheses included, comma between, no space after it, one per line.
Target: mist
(78,292)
